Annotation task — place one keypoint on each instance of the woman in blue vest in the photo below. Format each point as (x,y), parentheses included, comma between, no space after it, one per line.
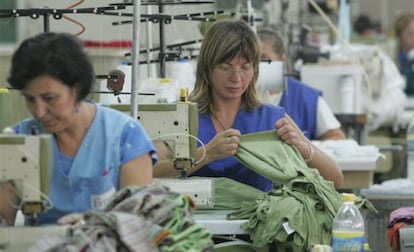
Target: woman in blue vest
(404,31)
(225,91)
(302,102)
(96,150)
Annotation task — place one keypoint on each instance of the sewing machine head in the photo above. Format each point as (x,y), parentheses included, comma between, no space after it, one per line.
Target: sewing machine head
(173,124)
(27,160)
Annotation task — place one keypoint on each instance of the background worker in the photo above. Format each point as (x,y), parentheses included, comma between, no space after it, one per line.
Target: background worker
(303,103)
(404,31)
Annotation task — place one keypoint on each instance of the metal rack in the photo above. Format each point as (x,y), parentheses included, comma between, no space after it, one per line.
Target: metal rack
(113,10)
(163,19)
(57,14)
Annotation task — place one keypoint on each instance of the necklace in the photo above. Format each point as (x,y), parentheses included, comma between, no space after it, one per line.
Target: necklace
(221,124)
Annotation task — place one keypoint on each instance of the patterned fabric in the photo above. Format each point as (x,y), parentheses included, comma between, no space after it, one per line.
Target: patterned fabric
(149,218)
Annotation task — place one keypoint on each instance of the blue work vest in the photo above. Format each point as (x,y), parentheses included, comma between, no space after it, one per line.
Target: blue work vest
(300,102)
(261,119)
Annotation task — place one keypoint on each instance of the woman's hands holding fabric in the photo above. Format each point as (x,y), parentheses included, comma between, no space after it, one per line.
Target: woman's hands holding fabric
(289,132)
(224,144)
(71,219)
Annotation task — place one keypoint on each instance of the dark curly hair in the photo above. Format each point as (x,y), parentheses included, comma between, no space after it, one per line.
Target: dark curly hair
(59,55)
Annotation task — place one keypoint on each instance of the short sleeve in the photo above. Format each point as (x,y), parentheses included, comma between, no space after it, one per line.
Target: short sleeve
(325,120)
(135,142)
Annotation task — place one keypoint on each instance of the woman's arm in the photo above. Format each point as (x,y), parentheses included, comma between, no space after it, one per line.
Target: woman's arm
(333,134)
(136,172)
(9,200)
(224,144)
(289,132)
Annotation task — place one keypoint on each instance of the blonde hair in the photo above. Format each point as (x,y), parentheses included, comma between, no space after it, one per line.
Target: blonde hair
(402,22)
(223,41)
(274,39)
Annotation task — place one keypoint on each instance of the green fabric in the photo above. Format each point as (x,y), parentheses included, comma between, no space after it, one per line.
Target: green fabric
(229,193)
(301,197)
(257,151)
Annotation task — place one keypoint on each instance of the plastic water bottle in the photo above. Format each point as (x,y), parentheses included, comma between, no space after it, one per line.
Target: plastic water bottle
(348,227)
(410,151)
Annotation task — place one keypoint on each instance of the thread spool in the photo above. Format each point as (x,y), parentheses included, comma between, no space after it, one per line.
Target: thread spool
(183,95)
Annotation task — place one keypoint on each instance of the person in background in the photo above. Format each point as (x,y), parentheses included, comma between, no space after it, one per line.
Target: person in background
(96,150)
(225,91)
(303,103)
(365,27)
(404,31)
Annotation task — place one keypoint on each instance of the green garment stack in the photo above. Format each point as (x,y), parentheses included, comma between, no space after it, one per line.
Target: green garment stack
(298,213)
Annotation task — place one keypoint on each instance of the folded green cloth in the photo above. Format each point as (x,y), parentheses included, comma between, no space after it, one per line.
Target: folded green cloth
(298,213)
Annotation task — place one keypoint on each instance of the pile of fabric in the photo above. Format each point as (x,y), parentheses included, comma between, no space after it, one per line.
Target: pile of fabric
(298,213)
(149,218)
(398,218)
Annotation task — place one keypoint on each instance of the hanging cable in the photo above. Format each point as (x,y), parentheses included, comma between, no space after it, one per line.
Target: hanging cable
(83,28)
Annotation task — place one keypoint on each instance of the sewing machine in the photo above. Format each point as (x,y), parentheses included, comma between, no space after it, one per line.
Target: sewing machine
(176,125)
(341,85)
(26,160)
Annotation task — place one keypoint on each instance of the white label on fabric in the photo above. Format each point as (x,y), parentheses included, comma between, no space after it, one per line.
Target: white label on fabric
(289,230)
(98,202)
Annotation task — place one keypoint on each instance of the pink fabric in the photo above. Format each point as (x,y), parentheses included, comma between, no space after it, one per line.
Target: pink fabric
(401,213)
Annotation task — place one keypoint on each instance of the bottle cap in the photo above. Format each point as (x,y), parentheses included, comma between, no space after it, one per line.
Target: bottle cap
(348,197)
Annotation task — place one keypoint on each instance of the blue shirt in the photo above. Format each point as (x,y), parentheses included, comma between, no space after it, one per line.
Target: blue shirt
(300,102)
(261,119)
(88,181)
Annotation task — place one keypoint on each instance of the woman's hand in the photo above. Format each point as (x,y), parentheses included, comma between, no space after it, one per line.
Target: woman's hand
(71,219)
(289,132)
(224,144)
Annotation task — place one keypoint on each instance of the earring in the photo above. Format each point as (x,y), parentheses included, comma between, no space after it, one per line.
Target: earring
(77,109)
